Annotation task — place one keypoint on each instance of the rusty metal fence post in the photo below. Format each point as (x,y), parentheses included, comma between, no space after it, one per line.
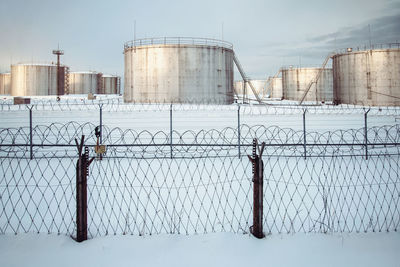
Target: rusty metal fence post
(82,172)
(258,186)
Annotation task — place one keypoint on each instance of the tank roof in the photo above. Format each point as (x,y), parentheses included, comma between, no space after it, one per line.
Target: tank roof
(177,41)
(84,72)
(363,49)
(110,76)
(304,68)
(34,64)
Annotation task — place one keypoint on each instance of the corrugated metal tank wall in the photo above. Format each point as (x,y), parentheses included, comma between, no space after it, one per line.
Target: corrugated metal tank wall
(5,83)
(369,77)
(111,84)
(296,80)
(84,82)
(178,73)
(34,79)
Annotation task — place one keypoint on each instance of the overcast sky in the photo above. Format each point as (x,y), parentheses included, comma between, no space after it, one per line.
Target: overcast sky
(265,34)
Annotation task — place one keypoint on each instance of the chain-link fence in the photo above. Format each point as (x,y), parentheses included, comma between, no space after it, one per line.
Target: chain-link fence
(200,182)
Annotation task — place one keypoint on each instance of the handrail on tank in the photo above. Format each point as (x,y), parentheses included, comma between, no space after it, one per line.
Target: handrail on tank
(368,47)
(178,41)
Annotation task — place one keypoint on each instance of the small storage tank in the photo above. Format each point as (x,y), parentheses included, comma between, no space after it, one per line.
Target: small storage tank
(369,77)
(244,88)
(85,82)
(295,82)
(36,79)
(5,83)
(178,70)
(111,84)
(274,87)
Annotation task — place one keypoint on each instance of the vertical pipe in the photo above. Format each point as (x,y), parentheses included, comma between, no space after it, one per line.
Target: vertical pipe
(238,129)
(366,133)
(304,134)
(30,132)
(170,129)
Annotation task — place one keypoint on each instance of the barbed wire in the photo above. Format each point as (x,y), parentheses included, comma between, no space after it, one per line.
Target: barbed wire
(328,184)
(112,104)
(58,140)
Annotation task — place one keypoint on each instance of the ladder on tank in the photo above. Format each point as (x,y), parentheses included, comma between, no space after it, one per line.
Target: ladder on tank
(245,78)
(315,80)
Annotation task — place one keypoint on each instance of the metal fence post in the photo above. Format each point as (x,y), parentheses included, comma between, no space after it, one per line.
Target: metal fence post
(170,129)
(30,132)
(304,133)
(258,187)
(238,128)
(101,123)
(82,172)
(366,133)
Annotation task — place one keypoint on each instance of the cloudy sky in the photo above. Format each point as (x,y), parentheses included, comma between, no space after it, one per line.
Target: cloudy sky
(265,34)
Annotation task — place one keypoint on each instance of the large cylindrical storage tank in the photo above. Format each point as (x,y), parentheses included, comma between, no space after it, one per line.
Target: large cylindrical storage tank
(295,82)
(5,83)
(36,80)
(85,82)
(178,70)
(110,84)
(242,88)
(370,77)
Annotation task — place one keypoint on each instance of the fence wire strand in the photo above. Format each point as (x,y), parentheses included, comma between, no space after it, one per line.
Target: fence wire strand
(205,187)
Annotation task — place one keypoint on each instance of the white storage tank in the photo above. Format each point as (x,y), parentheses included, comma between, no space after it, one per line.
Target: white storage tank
(243,88)
(36,79)
(274,87)
(178,70)
(85,82)
(295,82)
(5,83)
(111,84)
(368,77)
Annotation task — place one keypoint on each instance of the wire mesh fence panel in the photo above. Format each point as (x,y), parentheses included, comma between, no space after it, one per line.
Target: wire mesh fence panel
(335,181)
(153,196)
(37,195)
(332,194)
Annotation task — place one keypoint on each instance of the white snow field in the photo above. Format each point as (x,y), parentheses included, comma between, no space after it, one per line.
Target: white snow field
(148,196)
(216,249)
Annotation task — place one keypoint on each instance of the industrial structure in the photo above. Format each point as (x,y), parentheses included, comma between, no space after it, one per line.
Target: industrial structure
(274,87)
(308,84)
(85,82)
(178,69)
(37,79)
(5,83)
(111,84)
(367,77)
(243,90)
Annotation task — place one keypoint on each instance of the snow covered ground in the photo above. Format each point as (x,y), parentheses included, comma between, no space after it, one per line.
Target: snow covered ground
(221,249)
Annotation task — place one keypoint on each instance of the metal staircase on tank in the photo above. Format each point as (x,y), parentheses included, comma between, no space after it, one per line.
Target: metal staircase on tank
(315,80)
(245,78)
